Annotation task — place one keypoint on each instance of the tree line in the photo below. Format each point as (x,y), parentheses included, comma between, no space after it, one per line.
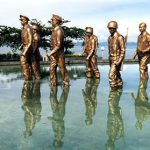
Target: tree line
(11,36)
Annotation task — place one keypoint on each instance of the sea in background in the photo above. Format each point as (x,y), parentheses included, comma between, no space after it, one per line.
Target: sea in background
(130,49)
(77,49)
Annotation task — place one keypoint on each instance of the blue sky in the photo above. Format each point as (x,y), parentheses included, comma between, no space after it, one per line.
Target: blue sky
(82,13)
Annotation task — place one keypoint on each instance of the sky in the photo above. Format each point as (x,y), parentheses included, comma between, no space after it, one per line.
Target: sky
(81,13)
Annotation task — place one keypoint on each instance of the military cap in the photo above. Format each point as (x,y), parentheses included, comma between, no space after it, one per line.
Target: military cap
(56,17)
(24,17)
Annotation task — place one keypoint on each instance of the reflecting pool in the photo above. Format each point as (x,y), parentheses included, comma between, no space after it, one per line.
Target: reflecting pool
(85,116)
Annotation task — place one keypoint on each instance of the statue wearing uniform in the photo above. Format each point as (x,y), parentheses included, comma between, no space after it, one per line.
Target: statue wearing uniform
(116,45)
(90,49)
(26,37)
(143,51)
(56,56)
(36,51)
(27,60)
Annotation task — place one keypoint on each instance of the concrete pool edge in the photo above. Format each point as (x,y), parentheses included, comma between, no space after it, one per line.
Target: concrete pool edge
(69,61)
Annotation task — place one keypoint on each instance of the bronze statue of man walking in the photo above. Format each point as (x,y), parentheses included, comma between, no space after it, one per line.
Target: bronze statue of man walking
(116,45)
(56,56)
(90,49)
(143,51)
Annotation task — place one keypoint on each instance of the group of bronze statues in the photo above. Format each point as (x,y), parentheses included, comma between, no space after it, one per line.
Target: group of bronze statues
(30,57)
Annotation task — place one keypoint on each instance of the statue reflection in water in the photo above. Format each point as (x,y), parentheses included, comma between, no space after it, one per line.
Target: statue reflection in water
(115,127)
(90,98)
(31,105)
(58,108)
(142,107)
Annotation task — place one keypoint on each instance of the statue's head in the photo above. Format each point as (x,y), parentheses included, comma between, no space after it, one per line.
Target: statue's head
(112,26)
(142,27)
(24,19)
(89,31)
(35,28)
(55,20)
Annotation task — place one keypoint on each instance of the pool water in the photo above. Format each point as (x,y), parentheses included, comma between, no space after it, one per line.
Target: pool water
(85,116)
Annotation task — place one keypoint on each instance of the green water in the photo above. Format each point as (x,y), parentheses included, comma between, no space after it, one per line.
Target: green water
(85,116)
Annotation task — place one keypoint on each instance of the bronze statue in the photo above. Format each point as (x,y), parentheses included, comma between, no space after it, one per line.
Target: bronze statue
(143,51)
(58,108)
(115,127)
(27,59)
(142,107)
(90,98)
(31,96)
(116,45)
(90,50)
(36,51)
(26,36)
(56,56)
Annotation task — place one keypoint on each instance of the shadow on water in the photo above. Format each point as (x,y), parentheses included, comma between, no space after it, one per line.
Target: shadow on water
(115,126)
(90,99)
(31,96)
(142,106)
(57,118)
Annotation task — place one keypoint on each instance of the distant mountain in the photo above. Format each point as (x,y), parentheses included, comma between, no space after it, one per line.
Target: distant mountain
(131,46)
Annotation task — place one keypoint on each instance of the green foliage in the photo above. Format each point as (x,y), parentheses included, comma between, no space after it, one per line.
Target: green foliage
(9,56)
(70,34)
(11,36)
(12,57)
(68,44)
(73,32)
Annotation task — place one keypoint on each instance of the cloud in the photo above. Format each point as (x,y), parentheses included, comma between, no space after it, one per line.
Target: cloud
(82,13)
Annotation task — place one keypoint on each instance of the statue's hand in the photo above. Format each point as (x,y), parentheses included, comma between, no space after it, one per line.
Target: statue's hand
(48,54)
(133,57)
(23,54)
(117,63)
(87,58)
(145,50)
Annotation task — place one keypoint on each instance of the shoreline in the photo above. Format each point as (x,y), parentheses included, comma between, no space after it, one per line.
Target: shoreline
(69,61)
